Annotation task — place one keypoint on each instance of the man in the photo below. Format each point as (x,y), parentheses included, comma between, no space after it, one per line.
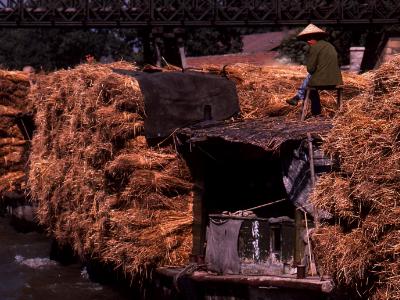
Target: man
(322,66)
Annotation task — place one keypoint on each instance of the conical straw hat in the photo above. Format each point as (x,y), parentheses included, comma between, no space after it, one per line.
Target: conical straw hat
(311,30)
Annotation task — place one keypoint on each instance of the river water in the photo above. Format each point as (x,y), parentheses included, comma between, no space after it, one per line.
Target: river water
(26,271)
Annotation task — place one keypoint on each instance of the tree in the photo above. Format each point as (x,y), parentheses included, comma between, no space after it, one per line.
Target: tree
(50,49)
(341,38)
(212,41)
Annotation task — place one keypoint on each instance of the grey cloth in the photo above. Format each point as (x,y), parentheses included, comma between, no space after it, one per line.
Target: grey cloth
(222,242)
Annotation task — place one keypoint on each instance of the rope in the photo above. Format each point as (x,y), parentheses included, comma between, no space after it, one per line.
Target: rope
(308,242)
(26,131)
(240,212)
(188,270)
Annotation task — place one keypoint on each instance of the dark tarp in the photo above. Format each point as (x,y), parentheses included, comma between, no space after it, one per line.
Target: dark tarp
(175,99)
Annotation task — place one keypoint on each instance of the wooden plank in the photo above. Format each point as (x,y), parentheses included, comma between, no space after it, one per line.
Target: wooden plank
(290,282)
(305,105)
(198,219)
(339,97)
(299,244)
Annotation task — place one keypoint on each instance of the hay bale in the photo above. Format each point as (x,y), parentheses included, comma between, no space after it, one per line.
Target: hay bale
(12,182)
(120,171)
(14,148)
(144,182)
(339,204)
(11,155)
(14,87)
(365,139)
(97,184)
(349,256)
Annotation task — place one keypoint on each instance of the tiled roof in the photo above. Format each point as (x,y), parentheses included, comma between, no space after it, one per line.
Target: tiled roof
(257,50)
(261,42)
(260,58)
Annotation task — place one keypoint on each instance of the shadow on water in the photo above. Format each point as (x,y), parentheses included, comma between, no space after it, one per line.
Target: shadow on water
(28,270)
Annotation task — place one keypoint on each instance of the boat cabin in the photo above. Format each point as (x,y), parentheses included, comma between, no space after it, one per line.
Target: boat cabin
(252,182)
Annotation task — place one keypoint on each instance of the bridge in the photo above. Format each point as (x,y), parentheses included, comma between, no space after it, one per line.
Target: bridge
(141,13)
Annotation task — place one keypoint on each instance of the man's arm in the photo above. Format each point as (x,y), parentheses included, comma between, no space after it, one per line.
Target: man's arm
(312,60)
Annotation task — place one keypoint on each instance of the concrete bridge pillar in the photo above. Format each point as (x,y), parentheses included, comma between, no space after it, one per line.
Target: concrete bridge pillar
(356,57)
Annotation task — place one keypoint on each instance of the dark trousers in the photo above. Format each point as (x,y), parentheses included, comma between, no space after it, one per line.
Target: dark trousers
(315,102)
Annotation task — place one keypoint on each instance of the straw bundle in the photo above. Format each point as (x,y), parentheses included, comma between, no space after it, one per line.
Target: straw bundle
(14,88)
(263,90)
(97,184)
(365,194)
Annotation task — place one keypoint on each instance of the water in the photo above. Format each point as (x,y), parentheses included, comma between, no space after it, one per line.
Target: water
(27,272)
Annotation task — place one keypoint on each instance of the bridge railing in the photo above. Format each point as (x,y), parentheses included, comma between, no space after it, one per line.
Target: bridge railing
(194,12)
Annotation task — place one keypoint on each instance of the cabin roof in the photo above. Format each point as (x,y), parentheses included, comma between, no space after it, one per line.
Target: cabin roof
(267,133)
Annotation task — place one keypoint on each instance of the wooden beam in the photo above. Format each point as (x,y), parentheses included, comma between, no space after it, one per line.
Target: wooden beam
(199,221)
(290,282)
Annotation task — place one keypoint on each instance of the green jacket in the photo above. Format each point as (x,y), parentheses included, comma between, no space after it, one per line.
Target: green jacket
(322,64)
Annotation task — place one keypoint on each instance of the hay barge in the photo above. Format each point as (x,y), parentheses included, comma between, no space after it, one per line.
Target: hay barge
(142,171)
(107,180)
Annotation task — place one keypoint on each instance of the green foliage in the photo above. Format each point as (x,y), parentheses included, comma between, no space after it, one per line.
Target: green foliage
(213,41)
(342,40)
(50,49)
(293,49)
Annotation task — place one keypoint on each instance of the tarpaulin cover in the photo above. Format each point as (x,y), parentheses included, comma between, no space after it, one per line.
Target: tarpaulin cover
(175,99)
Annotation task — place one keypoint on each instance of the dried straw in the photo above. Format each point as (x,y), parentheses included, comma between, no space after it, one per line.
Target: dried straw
(97,184)
(263,90)
(14,149)
(364,196)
